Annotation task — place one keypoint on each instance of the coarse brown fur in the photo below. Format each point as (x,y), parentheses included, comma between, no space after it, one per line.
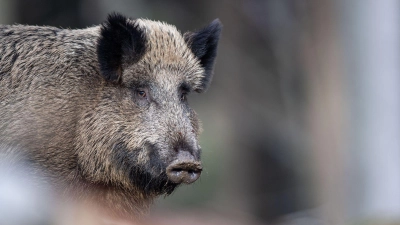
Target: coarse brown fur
(103,111)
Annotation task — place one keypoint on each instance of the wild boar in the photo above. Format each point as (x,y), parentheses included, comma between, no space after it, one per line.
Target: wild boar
(103,111)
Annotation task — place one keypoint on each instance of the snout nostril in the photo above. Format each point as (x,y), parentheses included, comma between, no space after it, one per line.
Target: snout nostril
(176,170)
(194,171)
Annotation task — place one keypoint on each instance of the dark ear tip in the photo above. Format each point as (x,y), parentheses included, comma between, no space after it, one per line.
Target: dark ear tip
(115,15)
(216,25)
(217,22)
(114,19)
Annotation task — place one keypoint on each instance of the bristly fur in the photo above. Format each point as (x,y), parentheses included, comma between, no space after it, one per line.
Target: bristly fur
(204,44)
(100,110)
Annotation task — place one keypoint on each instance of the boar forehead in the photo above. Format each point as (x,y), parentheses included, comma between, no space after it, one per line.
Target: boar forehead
(168,61)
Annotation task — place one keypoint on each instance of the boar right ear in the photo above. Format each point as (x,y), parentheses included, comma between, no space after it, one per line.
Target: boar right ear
(120,42)
(204,44)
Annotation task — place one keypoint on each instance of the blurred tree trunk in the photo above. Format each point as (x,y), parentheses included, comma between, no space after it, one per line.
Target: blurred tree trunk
(354,109)
(326,119)
(370,32)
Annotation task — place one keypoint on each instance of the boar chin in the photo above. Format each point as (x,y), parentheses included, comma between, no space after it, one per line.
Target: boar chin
(150,176)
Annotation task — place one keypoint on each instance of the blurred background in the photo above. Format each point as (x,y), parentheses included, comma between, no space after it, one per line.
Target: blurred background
(301,123)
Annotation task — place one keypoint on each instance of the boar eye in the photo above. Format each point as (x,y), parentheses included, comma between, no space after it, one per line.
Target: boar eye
(141,94)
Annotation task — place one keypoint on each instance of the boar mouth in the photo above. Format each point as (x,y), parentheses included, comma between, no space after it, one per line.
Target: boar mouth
(184,172)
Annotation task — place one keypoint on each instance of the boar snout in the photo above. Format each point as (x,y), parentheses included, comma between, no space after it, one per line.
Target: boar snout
(185,169)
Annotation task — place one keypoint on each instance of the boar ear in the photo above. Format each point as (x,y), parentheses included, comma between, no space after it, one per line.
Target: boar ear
(120,42)
(204,44)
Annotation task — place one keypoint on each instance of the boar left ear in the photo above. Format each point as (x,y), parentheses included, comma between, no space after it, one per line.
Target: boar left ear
(204,44)
(120,42)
